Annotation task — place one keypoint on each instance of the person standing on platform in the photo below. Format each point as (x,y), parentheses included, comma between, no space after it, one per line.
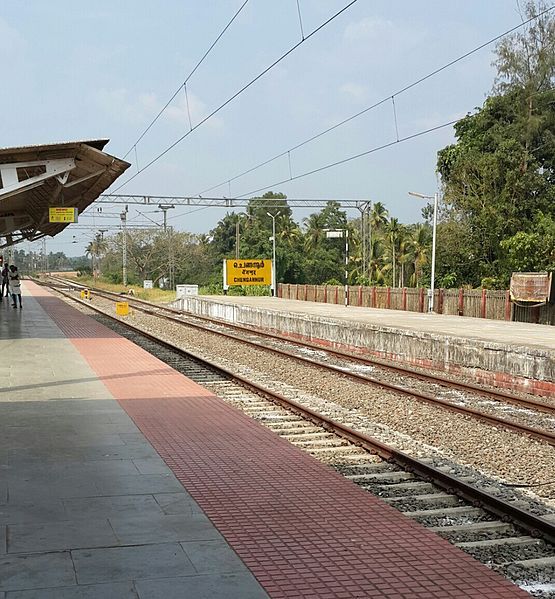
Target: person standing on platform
(5,282)
(15,286)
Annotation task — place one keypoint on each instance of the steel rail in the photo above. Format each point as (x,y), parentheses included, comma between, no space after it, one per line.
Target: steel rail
(534,525)
(540,434)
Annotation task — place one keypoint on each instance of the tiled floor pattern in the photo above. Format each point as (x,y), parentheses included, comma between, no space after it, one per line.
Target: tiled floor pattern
(301,528)
(88,509)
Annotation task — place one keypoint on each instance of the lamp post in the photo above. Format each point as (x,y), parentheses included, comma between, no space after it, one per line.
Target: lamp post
(123,216)
(274,269)
(335,233)
(434,230)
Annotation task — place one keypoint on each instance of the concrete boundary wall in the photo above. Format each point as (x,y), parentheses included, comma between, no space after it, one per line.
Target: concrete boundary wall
(516,367)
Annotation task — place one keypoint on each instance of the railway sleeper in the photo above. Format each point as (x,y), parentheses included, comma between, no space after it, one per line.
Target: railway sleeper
(411,502)
(475,531)
(408,489)
(328,442)
(533,575)
(372,466)
(507,550)
(299,436)
(395,476)
(448,516)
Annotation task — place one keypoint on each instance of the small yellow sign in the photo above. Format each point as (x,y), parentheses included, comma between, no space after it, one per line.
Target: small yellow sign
(248,272)
(122,308)
(86,294)
(63,215)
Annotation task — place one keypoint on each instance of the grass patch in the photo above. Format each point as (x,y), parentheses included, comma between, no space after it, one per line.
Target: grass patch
(155,295)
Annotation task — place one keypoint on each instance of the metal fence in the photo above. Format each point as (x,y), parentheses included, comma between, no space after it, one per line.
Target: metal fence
(477,303)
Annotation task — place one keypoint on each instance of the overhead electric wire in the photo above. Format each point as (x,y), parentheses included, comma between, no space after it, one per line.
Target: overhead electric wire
(377,104)
(186,79)
(348,159)
(238,93)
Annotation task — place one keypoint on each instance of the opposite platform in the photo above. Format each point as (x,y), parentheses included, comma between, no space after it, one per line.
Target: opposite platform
(510,354)
(303,530)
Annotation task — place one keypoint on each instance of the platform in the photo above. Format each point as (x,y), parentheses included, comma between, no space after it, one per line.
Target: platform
(122,478)
(513,355)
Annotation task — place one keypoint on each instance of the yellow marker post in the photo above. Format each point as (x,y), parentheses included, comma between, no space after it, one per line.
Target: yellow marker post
(122,308)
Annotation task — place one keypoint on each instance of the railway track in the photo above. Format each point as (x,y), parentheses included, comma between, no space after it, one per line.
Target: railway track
(455,396)
(518,542)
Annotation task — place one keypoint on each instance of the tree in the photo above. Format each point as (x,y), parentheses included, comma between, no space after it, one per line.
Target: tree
(499,176)
(526,59)
(421,241)
(393,231)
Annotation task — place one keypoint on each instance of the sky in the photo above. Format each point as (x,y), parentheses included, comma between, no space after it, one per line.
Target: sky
(74,71)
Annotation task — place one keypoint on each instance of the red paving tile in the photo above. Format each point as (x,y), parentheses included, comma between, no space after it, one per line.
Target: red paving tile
(302,529)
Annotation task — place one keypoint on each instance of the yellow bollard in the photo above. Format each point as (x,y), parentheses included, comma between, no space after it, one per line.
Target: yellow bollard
(122,308)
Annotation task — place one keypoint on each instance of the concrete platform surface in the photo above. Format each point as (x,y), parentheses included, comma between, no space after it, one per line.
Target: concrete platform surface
(88,509)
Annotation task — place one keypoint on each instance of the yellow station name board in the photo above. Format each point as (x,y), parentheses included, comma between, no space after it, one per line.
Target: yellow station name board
(63,215)
(247,272)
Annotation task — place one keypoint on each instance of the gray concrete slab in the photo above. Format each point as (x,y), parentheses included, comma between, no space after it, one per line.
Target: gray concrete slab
(87,507)
(150,465)
(182,527)
(212,556)
(217,586)
(139,506)
(38,571)
(116,590)
(139,484)
(177,503)
(57,536)
(32,513)
(131,563)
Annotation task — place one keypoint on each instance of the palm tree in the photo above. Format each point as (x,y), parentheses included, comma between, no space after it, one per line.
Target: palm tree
(376,263)
(378,216)
(95,249)
(315,230)
(405,254)
(421,243)
(392,233)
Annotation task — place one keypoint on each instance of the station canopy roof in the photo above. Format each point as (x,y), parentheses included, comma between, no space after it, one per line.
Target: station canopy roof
(35,178)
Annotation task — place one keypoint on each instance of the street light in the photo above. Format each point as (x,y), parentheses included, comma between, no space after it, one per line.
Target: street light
(434,229)
(336,233)
(274,269)
(123,217)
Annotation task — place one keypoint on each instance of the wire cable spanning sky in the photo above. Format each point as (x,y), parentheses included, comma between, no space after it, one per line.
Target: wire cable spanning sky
(334,92)
(236,94)
(390,97)
(184,84)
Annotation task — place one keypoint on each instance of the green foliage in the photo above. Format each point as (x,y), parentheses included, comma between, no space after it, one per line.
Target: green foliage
(492,283)
(533,250)
(499,177)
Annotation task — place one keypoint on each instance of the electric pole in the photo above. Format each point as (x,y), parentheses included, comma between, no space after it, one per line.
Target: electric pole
(171,275)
